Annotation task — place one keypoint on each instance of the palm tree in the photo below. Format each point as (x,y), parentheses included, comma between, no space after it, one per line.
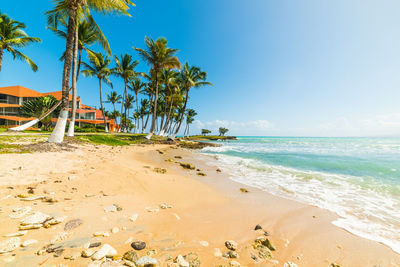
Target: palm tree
(126,70)
(37,107)
(190,114)
(98,67)
(113,98)
(70,9)
(143,111)
(128,104)
(13,37)
(159,57)
(136,85)
(191,77)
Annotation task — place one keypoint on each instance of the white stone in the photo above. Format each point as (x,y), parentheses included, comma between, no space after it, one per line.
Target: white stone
(111,208)
(20,212)
(234,264)
(204,243)
(146,261)
(105,251)
(181,261)
(115,230)
(289,264)
(28,242)
(9,245)
(134,217)
(30,226)
(72,177)
(32,198)
(36,218)
(105,234)
(87,253)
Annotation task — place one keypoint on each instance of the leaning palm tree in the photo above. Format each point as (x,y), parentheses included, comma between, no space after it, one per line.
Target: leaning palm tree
(98,67)
(129,99)
(13,37)
(70,9)
(136,85)
(126,70)
(113,98)
(191,77)
(39,106)
(159,57)
(190,114)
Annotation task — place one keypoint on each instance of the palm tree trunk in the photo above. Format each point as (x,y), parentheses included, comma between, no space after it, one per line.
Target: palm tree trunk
(79,61)
(183,112)
(153,123)
(102,109)
(57,136)
(169,115)
(71,128)
(1,57)
(148,115)
(122,105)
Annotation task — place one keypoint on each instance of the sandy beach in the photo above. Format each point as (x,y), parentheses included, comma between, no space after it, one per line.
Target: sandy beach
(119,192)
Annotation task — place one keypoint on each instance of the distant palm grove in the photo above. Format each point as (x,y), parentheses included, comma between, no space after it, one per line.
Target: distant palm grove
(156,102)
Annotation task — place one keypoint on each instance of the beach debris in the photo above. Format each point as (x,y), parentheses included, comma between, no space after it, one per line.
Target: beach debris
(30,198)
(181,261)
(134,217)
(188,166)
(334,264)
(146,261)
(204,243)
(169,160)
(218,170)
(111,208)
(193,259)
(201,174)
(115,230)
(72,224)
(244,190)
(289,264)
(160,170)
(20,233)
(99,234)
(31,190)
(28,242)
(234,264)
(262,240)
(263,252)
(9,245)
(150,209)
(49,200)
(94,245)
(88,252)
(105,251)
(176,216)
(217,252)
(230,254)
(130,255)
(231,245)
(159,151)
(89,195)
(258,227)
(178,157)
(30,226)
(138,245)
(71,177)
(36,218)
(151,252)
(54,221)
(165,206)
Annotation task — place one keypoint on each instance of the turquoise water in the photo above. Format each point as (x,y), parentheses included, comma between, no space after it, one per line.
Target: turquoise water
(357,178)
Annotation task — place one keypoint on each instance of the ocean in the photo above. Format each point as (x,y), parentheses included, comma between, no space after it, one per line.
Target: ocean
(356,178)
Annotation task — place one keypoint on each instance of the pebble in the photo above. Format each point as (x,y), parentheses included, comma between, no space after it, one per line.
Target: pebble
(94,245)
(138,245)
(146,261)
(289,264)
(230,254)
(36,218)
(134,217)
(88,252)
(258,227)
(231,245)
(115,230)
(165,206)
(30,226)
(72,177)
(105,251)
(234,264)
(9,245)
(111,208)
(28,242)
(20,233)
(130,256)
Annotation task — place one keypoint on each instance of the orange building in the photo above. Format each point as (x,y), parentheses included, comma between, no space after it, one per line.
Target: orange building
(12,97)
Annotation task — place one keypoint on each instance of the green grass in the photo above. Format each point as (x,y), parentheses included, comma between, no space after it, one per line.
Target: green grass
(3,130)
(10,148)
(113,139)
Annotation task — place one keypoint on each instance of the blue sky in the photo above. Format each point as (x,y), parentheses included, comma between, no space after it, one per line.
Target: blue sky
(306,68)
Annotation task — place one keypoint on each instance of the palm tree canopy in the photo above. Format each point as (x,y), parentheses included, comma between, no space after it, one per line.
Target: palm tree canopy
(125,67)
(97,67)
(38,106)
(13,36)
(113,97)
(191,76)
(136,85)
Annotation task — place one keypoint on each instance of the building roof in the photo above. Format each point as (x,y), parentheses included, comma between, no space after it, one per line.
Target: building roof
(19,91)
(58,95)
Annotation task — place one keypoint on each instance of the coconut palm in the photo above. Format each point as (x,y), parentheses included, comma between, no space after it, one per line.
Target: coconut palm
(39,106)
(128,103)
(191,77)
(113,98)
(70,9)
(190,114)
(98,67)
(159,57)
(136,85)
(125,69)
(143,111)
(13,37)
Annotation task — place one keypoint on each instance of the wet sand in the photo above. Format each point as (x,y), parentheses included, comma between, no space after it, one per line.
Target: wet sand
(207,208)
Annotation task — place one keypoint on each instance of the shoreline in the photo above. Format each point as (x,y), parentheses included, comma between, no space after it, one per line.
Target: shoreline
(205,205)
